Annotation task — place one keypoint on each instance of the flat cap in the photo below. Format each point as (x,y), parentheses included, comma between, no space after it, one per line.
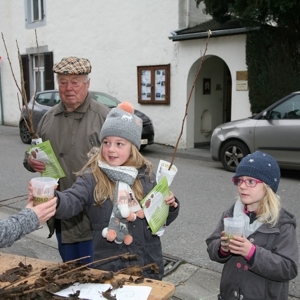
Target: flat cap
(73,66)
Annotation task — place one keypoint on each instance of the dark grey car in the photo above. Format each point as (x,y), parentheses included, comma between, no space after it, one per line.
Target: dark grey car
(276,130)
(47,99)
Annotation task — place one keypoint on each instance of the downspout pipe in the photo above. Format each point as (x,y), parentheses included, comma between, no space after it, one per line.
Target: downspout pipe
(187,18)
(1,99)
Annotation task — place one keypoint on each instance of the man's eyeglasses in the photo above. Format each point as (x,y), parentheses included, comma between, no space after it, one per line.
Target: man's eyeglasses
(250,182)
(73,83)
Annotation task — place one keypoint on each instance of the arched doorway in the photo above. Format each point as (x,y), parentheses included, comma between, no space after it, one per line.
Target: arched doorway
(212,106)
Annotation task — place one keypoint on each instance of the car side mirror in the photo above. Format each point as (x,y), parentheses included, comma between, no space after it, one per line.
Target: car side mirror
(266,115)
(272,115)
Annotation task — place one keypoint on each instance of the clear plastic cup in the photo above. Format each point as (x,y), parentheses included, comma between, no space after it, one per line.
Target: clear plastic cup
(233,227)
(43,189)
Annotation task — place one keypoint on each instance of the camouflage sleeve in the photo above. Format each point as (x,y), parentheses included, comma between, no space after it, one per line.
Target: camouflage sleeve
(16,226)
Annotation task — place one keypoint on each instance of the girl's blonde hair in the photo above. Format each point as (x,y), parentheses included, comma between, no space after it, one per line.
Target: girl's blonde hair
(105,187)
(269,207)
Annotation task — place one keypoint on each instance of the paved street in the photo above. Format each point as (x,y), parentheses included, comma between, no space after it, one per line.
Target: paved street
(203,187)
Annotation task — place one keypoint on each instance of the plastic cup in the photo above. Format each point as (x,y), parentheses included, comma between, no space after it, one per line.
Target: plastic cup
(43,189)
(233,227)
(170,174)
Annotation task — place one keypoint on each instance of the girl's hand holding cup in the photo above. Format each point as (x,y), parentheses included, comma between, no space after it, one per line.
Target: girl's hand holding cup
(41,189)
(240,245)
(224,242)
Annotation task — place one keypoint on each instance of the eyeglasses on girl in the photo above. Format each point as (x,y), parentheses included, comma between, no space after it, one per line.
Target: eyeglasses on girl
(250,182)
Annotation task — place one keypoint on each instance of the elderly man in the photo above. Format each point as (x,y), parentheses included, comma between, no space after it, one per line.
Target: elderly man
(72,127)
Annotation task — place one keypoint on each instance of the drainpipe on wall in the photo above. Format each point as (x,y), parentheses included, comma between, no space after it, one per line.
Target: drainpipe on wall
(1,102)
(187,20)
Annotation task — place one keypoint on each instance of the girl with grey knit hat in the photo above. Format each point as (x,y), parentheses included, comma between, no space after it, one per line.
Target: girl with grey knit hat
(110,187)
(259,264)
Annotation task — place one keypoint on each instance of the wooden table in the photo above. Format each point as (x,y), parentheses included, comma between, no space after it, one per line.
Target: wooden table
(161,290)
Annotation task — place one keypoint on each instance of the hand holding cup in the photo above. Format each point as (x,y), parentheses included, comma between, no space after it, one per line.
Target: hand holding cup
(233,227)
(42,189)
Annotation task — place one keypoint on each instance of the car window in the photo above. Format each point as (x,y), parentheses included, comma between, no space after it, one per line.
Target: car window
(110,102)
(56,98)
(44,99)
(290,109)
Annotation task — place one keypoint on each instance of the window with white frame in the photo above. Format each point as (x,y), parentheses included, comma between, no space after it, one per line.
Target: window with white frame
(35,13)
(37,10)
(38,72)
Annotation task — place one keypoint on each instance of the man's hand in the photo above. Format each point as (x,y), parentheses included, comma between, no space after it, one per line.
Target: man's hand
(36,165)
(44,211)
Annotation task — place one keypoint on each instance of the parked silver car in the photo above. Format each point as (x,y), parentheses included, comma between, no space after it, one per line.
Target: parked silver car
(276,130)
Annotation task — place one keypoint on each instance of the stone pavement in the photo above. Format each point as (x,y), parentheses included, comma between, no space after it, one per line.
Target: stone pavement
(192,282)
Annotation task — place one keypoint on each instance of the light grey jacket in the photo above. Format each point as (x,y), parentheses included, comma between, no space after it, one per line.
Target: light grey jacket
(16,226)
(275,261)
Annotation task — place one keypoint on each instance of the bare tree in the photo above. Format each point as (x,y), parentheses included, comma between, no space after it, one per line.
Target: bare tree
(21,86)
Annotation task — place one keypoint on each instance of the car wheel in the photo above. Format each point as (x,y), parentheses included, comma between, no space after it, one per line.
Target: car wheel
(24,133)
(232,153)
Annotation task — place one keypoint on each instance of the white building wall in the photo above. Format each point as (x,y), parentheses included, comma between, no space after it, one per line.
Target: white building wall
(189,14)
(117,36)
(228,49)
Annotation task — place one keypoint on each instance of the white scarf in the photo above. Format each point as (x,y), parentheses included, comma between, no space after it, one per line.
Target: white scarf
(238,212)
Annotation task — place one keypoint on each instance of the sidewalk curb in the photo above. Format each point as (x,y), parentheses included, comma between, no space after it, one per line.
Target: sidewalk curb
(194,283)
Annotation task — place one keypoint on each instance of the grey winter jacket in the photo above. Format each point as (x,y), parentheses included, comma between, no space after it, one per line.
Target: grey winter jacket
(16,226)
(146,245)
(72,135)
(275,261)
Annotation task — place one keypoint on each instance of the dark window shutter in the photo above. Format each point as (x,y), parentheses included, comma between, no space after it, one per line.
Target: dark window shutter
(49,77)
(25,64)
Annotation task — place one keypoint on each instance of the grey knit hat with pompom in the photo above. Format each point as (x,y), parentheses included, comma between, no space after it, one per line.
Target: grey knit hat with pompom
(122,122)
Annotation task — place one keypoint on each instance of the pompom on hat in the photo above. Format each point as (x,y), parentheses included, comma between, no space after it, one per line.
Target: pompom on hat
(261,166)
(122,122)
(73,66)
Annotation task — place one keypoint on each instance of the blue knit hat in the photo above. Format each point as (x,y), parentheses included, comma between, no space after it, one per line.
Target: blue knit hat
(261,166)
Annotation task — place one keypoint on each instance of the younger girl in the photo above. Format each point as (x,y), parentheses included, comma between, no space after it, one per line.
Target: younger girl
(117,162)
(258,265)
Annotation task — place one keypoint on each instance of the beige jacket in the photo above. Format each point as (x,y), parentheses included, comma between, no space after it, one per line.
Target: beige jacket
(72,135)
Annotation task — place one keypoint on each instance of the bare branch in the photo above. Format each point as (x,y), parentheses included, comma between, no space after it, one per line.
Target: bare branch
(8,58)
(29,124)
(21,87)
(189,99)
(38,75)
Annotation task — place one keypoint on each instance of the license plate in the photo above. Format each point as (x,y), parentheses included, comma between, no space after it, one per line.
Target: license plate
(144,142)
